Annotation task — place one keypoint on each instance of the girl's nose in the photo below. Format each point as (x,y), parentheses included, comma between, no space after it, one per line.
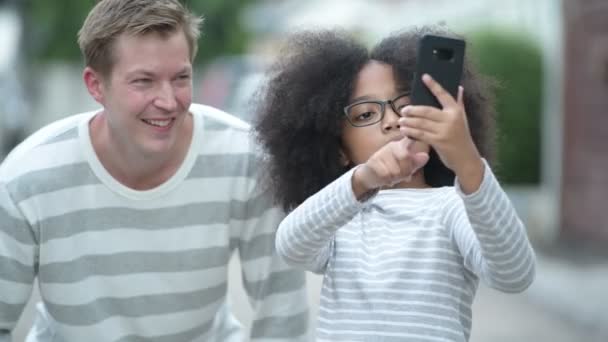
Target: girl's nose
(391,120)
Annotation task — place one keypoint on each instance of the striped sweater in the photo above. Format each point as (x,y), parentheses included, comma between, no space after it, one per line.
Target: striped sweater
(404,265)
(116,264)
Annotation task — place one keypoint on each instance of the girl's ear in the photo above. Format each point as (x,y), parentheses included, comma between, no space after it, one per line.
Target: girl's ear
(344,161)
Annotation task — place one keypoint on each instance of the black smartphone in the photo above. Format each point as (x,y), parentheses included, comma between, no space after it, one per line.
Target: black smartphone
(442,58)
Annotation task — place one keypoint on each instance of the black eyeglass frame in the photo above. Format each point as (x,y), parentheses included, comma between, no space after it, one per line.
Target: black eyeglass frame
(382,104)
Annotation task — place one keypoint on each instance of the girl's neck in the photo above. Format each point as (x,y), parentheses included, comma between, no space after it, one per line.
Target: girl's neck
(417,182)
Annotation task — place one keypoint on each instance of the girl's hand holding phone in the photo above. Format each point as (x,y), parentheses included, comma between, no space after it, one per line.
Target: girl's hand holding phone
(447,131)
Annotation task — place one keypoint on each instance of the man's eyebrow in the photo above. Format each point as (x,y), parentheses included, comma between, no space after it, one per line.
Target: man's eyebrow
(185,69)
(147,73)
(141,72)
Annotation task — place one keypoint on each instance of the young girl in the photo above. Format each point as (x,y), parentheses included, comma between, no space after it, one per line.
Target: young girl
(395,204)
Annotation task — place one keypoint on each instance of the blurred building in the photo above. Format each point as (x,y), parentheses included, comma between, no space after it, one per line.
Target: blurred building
(13,106)
(585,162)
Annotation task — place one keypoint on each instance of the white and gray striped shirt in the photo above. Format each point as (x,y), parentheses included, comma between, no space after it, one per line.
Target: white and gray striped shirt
(405,264)
(115,264)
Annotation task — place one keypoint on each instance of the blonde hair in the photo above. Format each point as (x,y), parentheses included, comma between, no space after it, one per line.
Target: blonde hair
(111,18)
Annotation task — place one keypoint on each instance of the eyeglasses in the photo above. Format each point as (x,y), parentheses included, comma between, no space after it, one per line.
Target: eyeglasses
(369,112)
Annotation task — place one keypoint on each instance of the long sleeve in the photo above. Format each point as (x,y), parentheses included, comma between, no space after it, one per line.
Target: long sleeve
(305,237)
(276,291)
(491,236)
(18,264)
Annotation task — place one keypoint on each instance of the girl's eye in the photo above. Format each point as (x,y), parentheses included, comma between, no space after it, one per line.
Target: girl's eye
(367,116)
(364,116)
(401,103)
(365,112)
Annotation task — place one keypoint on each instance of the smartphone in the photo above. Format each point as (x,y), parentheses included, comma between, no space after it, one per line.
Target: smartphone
(442,58)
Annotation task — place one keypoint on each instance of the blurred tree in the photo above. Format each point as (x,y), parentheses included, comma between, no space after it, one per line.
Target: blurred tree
(52,27)
(516,63)
(223,32)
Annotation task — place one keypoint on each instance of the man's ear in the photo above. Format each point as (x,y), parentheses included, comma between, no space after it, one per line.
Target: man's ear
(94,83)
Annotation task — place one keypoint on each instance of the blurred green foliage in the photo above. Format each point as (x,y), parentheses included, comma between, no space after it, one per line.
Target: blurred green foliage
(51,28)
(515,61)
(223,33)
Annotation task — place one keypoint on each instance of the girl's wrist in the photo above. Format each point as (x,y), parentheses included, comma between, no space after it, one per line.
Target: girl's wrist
(360,188)
(470,175)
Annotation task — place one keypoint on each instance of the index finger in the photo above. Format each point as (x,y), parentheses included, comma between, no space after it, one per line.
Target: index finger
(443,96)
(407,142)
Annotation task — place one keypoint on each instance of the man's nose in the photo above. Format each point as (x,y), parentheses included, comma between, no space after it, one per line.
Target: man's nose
(165,98)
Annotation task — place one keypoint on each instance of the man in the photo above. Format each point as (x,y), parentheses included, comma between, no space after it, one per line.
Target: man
(128,215)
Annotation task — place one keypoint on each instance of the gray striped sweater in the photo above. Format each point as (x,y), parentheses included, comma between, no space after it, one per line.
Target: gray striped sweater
(115,264)
(404,265)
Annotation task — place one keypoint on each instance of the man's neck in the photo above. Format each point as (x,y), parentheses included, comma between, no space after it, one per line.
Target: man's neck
(130,166)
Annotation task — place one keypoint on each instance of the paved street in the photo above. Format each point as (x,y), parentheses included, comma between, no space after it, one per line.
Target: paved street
(502,317)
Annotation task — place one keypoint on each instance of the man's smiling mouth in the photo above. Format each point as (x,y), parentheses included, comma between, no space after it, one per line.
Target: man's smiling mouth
(158,123)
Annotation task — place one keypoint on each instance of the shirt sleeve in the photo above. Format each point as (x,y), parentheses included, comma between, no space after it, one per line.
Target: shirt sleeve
(18,263)
(491,236)
(276,291)
(305,237)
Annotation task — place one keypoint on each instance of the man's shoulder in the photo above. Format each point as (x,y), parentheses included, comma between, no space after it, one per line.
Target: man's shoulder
(223,133)
(217,119)
(40,143)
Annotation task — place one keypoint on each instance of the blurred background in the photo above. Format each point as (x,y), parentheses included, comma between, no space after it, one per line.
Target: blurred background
(550,57)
